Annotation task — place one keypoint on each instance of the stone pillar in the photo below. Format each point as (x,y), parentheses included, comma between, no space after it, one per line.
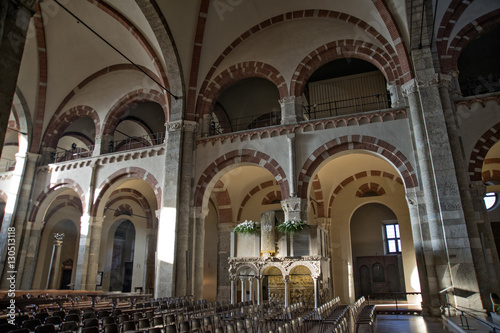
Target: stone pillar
(94,250)
(104,143)
(259,289)
(223,291)
(486,267)
(16,211)
(295,208)
(243,288)
(233,290)
(150,261)
(396,95)
(316,290)
(291,159)
(250,287)
(55,262)
(286,281)
(83,253)
(15,17)
(33,235)
(446,244)
(199,251)
(291,110)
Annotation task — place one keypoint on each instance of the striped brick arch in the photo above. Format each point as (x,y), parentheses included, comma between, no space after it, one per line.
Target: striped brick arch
(480,150)
(65,201)
(49,191)
(234,158)
(122,174)
(366,187)
(469,33)
(355,142)
(223,203)
(60,122)
(122,106)
(340,49)
(132,195)
(249,69)
(318,197)
(270,197)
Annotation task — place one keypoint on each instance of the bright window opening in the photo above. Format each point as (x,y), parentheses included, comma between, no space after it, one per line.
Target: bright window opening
(393,238)
(490,199)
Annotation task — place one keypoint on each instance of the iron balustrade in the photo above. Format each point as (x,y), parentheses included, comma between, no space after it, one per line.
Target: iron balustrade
(347,106)
(72,154)
(8,165)
(246,123)
(135,142)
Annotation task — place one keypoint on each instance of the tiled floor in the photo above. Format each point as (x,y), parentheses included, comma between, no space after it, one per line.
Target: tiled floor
(405,324)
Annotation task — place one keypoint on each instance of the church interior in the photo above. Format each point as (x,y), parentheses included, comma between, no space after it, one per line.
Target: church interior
(252,152)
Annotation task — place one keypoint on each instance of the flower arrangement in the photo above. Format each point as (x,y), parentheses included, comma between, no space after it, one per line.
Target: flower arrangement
(292,226)
(247,227)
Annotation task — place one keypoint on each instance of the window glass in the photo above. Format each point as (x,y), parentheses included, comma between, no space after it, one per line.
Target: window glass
(392,237)
(490,199)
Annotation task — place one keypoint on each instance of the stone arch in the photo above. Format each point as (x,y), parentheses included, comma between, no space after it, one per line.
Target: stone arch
(250,265)
(232,158)
(277,265)
(349,49)
(138,198)
(481,148)
(124,104)
(223,199)
(270,197)
(173,67)
(249,69)
(370,187)
(251,193)
(68,201)
(130,172)
(41,200)
(315,271)
(60,122)
(318,197)
(465,36)
(351,142)
(96,75)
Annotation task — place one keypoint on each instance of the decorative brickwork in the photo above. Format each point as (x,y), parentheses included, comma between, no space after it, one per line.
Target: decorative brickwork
(223,203)
(268,199)
(122,106)
(59,184)
(234,157)
(379,147)
(208,97)
(121,195)
(130,172)
(479,152)
(60,122)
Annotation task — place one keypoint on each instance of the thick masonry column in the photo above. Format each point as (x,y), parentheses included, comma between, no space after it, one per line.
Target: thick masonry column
(55,262)
(199,251)
(94,249)
(15,17)
(223,292)
(448,257)
(16,210)
(291,110)
(83,253)
(486,266)
(33,234)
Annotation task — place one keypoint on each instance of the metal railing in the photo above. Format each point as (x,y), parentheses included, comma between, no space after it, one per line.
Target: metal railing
(7,165)
(346,106)
(392,296)
(135,142)
(246,123)
(71,154)
(480,85)
(464,312)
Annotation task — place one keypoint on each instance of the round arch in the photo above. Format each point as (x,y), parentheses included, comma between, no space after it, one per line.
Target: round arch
(60,122)
(349,49)
(124,104)
(249,69)
(348,143)
(234,159)
(480,150)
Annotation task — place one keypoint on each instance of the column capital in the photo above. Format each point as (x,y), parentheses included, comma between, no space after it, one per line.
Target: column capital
(286,278)
(290,100)
(184,125)
(409,87)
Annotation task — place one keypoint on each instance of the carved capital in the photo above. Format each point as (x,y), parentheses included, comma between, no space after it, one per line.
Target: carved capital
(58,237)
(288,100)
(409,87)
(189,126)
(174,126)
